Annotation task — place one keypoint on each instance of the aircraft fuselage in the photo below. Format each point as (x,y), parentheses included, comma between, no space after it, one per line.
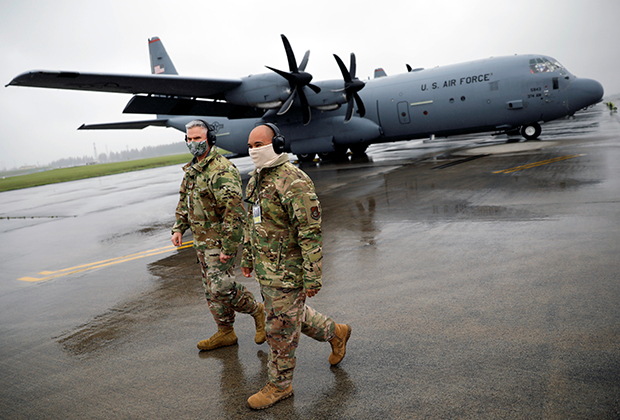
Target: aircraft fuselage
(494,94)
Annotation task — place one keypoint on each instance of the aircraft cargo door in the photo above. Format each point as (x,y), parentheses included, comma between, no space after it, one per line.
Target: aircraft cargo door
(403,112)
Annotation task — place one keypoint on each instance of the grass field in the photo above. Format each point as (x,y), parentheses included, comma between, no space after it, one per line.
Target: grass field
(88,171)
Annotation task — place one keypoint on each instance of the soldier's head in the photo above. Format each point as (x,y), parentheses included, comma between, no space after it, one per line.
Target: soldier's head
(265,134)
(265,144)
(260,136)
(200,137)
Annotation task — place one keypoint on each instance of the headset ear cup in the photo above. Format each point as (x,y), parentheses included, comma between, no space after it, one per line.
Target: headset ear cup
(278,143)
(211,137)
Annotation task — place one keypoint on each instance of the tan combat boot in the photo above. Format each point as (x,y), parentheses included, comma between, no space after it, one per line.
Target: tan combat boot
(339,343)
(259,321)
(268,396)
(225,336)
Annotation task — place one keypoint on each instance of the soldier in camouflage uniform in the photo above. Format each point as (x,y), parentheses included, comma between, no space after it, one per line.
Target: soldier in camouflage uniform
(282,246)
(211,205)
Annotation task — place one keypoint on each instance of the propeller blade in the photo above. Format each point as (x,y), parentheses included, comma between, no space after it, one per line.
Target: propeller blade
(353,67)
(315,88)
(305,108)
(289,102)
(343,69)
(347,118)
(288,76)
(292,63)
(304,62)
(360,105)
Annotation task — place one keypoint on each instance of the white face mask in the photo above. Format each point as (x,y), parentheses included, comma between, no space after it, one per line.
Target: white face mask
(263,156)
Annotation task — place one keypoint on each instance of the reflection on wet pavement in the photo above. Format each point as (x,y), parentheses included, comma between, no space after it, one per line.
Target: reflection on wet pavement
(177,279)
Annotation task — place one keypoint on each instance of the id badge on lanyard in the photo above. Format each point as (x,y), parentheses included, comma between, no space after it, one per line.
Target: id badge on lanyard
(256,212)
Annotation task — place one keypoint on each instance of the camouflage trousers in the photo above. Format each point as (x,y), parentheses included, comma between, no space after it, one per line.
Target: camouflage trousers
(224,295)
(287,317)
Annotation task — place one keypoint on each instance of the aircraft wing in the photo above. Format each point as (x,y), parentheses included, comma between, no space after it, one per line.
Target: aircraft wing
(161,84)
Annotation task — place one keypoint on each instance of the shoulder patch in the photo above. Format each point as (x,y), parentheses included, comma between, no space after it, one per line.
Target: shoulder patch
(315,212)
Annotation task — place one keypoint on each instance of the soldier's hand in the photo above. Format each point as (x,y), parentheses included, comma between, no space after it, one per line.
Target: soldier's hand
(311,292)
(176,238)
(224,258)
(246,271)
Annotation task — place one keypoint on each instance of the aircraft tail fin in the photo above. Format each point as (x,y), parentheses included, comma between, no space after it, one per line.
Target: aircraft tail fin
(160,60)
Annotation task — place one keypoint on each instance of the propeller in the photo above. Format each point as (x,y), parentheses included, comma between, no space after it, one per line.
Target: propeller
(352,85)
(297,79)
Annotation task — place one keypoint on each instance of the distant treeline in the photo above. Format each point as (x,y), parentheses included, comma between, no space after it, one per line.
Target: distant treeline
(129,154)
(52,176)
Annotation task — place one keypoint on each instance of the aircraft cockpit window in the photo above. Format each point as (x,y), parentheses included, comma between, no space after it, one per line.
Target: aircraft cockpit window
(543,65)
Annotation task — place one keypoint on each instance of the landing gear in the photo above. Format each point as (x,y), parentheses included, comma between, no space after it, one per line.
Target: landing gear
(306,157)
(338,155)
(531,131)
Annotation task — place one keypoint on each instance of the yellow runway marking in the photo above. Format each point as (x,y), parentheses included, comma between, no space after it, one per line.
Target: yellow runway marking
(535,164)
(48,275)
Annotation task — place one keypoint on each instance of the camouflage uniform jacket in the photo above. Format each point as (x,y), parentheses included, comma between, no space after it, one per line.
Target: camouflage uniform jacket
(284,248)
(211,204)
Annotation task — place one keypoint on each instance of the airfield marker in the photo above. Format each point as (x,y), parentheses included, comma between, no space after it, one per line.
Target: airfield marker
(535,164)
(48,275)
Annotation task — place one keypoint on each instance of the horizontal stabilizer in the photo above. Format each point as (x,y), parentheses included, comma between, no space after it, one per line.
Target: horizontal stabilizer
(183,106)
(129,125)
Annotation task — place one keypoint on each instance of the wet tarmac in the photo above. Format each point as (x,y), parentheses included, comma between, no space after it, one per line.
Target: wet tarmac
(480,279)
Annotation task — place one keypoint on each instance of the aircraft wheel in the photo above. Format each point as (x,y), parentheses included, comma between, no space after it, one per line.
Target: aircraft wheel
(306,157)
(531,131)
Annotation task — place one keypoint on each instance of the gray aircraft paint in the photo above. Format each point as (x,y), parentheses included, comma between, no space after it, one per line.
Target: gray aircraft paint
(490,95)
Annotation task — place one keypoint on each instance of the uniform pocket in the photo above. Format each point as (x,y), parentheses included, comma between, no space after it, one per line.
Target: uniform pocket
(281,252)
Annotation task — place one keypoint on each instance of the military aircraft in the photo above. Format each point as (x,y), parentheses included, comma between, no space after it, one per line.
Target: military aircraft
(500,95)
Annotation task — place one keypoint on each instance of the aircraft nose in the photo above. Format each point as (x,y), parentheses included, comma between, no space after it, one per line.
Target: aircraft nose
(583,93)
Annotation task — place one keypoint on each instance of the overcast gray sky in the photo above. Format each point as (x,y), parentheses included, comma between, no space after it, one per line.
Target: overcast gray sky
(237,38)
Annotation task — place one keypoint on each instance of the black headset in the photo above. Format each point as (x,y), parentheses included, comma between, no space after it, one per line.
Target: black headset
(278,139)
(211,137)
